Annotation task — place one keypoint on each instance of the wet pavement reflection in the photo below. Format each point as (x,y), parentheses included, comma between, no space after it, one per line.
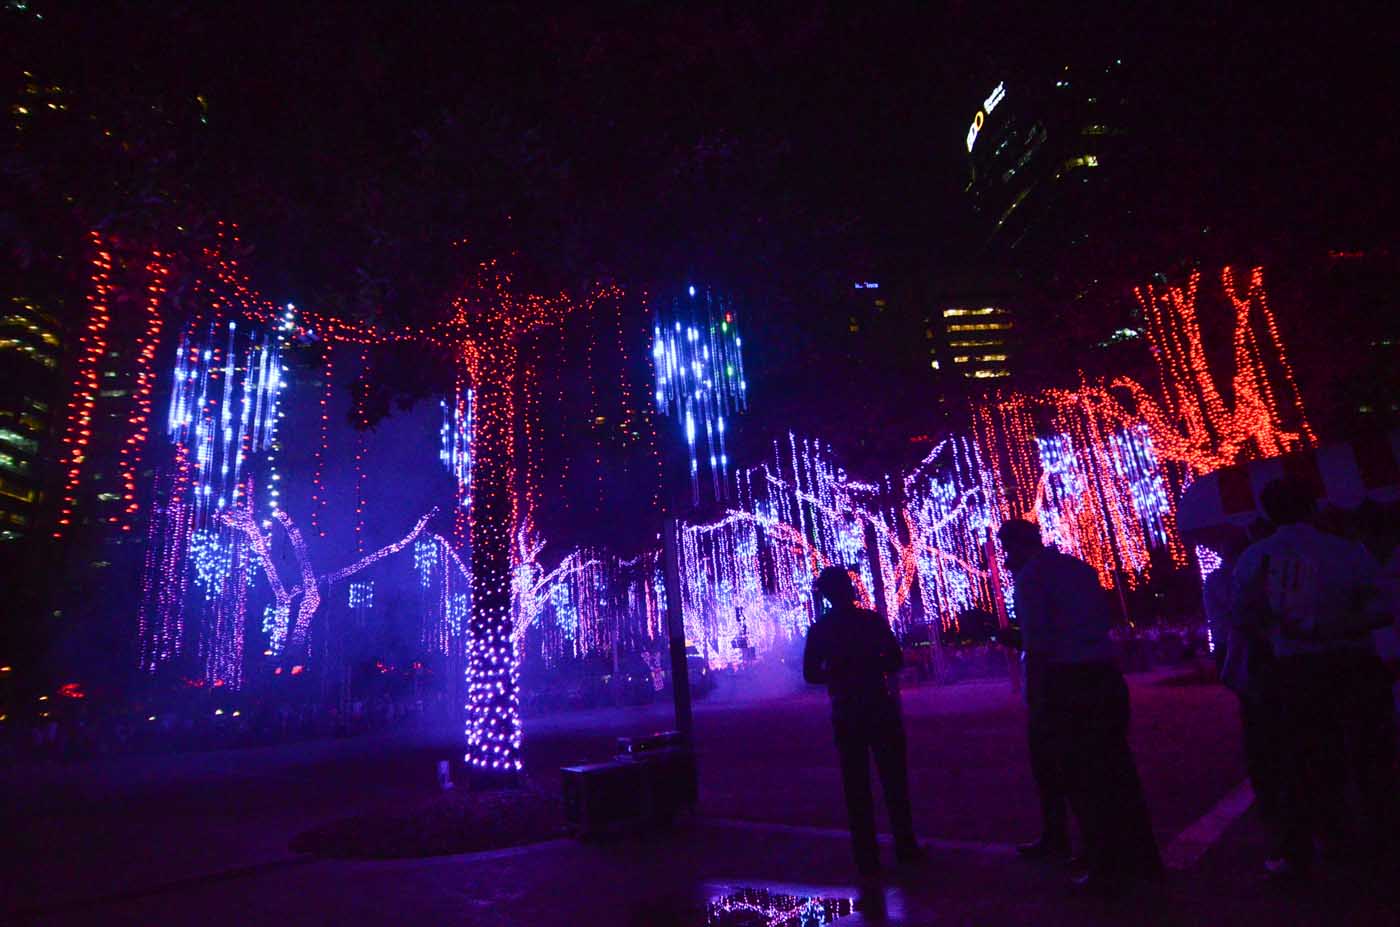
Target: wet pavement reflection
(769,905)
(751,907)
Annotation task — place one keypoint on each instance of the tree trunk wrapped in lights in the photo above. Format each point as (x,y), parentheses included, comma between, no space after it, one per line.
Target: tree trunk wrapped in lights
(489,332)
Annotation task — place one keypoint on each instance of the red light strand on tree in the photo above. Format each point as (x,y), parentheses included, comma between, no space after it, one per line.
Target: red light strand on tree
(1196,428)
(93,344)
(489,326)
(140,419)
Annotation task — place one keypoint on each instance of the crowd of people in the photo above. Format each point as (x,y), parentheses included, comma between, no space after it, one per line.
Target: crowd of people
(1295,613)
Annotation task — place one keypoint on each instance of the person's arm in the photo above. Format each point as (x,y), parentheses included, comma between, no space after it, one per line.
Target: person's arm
(1372,605)
(1032,610)
(1249,602)
(891,654)
(814,656)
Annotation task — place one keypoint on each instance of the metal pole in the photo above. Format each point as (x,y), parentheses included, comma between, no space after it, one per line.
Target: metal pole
(675,623)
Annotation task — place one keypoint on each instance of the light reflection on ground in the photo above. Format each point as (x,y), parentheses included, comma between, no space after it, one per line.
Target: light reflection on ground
(761,907)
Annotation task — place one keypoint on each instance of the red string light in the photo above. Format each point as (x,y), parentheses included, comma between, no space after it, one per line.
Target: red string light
(1193,425)
(140,419)
(489,326)
(79,416)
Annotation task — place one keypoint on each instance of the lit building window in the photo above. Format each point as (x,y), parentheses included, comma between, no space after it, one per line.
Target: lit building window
(986,310)
(22,493)
(980,327)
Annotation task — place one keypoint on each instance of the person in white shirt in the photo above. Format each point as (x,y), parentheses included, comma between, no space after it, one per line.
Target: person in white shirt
(1246,665)
(1079,704)
(1313,596)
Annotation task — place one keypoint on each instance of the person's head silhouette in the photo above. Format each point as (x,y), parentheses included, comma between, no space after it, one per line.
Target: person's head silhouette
(835,584)
(1288,501)
(1021,541)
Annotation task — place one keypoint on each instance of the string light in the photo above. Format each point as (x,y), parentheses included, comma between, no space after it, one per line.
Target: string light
(146,347)
(224,419)
(1208,561)
(454,448)
(698,361)
(278,370)
(746,578)
(1192,424)
(916,546)
(1100,482)
(485,342)
(425,561)
(318,475)
(165,577)
(361,595)
(361,411)
(488,326)
(92,345)
(243,520)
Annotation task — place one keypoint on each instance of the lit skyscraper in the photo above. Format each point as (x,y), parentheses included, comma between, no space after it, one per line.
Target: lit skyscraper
(30,348)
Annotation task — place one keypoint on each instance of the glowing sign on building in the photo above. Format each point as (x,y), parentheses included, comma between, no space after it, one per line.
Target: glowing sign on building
(989,104)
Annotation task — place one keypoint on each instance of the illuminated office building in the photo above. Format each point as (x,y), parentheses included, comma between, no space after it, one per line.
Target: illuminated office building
(977,340)
(30,350)
(1045,156)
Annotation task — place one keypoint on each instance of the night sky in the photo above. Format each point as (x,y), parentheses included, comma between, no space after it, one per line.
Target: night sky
(372,152)
(853,119)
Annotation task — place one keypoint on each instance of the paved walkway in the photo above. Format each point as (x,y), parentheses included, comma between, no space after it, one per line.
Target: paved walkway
(202,840)
(670,881)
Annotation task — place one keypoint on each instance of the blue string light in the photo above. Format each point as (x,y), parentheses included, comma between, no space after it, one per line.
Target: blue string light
(697,356)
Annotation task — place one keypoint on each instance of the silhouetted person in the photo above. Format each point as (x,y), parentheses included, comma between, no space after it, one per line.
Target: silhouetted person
(1053,844)
(1314,597)
(1079,706)
(853,651)
(1246,664)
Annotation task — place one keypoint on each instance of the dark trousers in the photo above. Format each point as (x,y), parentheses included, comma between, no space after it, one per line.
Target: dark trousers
(1086,710)
(1338,716)
(879,735)
(1049,783)
(1261,725)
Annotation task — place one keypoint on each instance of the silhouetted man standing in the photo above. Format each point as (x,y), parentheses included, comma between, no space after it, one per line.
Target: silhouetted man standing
(1079,704)
(1315,598)
(852,651)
